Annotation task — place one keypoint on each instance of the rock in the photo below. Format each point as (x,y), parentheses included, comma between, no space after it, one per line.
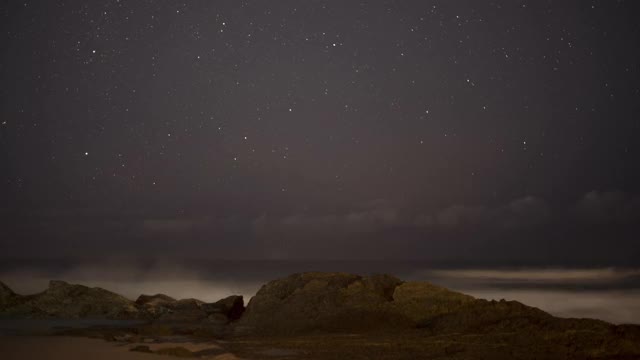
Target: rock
(187,304)
(154,306)
(230,307)
(420,301)
(5,291)
(217,319)
(155,300)
(183,311)
(318,302)
(336,302)
(63,300)
(165,309)
(7,296)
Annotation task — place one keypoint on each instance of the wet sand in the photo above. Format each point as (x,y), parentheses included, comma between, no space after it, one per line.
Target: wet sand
(77,348)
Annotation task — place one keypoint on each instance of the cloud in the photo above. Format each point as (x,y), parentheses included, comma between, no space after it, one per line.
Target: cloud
(297,220)
(130,278)
(608,207)
(459,215)
(378,215)
(526,211)
(172,225)
(360,220)
(424,220)
(549,275)
(373,218)
(521,212)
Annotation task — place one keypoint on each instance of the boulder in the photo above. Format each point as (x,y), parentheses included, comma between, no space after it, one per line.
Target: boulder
(154,306)
(183,311)
(231,308)
(7,296)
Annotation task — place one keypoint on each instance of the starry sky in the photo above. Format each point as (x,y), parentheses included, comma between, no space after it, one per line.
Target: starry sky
(486,132)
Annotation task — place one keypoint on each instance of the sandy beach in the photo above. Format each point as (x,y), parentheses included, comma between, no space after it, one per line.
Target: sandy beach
(77,348)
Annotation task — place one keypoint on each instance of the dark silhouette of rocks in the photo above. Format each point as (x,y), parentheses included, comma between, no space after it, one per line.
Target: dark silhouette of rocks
(63,300)
(418,317)
(231,307)
(7,297)
(345,302)
(334,302)
(184,311)
(163,308)
(155,300)
(322,304)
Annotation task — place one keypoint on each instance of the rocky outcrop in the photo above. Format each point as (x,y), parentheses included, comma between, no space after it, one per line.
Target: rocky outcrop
(7,297)
(192,310)
(155,300)
(163,308)
(321,302)
(155,306)
(377,307)
(183,311)
(229,308)
(63,300)
(414,317)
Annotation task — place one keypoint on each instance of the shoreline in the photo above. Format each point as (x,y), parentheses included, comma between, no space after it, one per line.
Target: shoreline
(52,347)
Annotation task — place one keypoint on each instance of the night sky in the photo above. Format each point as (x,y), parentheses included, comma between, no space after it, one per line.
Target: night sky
(485,132)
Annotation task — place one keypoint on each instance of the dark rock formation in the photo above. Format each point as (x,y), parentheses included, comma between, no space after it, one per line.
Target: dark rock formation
(324,302)
(185,310)
(382,307)
(155,300)
(62,300)
(7,297)
(402,319)
(155,306)
(330,302)
(185,316)
(231,308)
